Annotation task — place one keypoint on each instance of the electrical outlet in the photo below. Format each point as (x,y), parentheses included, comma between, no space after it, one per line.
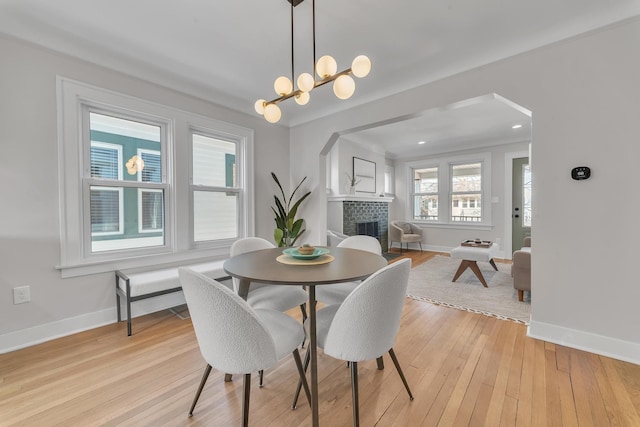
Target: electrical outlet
(21,294)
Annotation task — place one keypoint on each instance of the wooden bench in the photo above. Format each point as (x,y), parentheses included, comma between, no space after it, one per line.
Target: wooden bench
(148,284)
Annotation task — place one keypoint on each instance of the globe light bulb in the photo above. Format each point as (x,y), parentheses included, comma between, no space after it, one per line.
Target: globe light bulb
(283,86)
(305,82)
(326,67)
(361,66)
(259,106)
(272,113)
(302,98)
(344,86)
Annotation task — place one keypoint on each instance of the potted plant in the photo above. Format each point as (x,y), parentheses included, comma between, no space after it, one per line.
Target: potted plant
(288,228)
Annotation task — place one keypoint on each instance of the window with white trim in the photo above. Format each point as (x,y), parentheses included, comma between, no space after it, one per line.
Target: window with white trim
(119,200)
(214,190)
(139,178)
(451,190)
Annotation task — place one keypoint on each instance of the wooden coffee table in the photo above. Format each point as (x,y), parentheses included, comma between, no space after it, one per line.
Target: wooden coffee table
(470,256)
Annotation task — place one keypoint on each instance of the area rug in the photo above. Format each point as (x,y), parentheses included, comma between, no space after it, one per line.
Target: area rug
(431,282)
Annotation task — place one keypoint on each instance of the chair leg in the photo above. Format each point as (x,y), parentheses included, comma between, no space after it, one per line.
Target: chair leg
(420,243)
(203,381)
(307,359)
(246,391)
(520,295)
(301,372)
(380,363)
(354,393)
(261,375)
(399,369)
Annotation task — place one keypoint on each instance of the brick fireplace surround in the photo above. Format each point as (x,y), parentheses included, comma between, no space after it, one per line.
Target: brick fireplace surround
(346,212)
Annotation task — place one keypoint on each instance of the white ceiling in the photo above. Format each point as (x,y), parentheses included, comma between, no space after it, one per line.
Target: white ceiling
(230,51)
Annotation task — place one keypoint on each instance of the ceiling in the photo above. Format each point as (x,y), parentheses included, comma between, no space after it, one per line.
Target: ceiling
(230,52)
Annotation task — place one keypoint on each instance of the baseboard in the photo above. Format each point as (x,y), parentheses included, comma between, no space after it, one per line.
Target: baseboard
(599,344)
(38,334)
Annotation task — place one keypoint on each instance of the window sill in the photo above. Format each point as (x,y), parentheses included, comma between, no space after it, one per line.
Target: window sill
(144,262)
(481,227)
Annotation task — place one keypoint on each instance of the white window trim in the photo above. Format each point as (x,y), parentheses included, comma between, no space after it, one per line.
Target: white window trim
(243,177)
(74,262)
(444,164)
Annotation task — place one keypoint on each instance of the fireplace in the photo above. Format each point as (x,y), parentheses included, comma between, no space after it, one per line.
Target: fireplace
(353,215)
(368,228)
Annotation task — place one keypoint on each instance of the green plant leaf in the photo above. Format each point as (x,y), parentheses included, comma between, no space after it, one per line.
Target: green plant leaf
(295,229)
(278,235)
(293,243)
(296,189)
(288,228)
(294,209)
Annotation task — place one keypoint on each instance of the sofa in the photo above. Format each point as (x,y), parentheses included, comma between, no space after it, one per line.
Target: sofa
(521,268)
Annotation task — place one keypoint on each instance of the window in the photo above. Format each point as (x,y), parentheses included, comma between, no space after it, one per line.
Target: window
(214,190)
(466,185)
(125,213)
(425,194)
(145,184)
(459,182)
(106,203)
(388,180)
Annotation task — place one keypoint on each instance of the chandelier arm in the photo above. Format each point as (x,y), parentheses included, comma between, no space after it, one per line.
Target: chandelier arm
(332,78)
(283,97)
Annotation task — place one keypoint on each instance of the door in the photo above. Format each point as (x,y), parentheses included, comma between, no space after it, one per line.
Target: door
(521,209)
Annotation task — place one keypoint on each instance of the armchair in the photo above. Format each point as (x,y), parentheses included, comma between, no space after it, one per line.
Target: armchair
(404,232)
(521,268)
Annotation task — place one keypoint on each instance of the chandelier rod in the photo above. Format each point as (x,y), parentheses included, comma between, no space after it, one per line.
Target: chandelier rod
(313,9)
(292,73)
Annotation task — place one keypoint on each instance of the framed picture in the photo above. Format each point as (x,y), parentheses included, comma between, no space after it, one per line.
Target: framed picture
(364,172)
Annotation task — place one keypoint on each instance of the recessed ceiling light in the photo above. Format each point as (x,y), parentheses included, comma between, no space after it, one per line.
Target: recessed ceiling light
(422,142)
(516,126)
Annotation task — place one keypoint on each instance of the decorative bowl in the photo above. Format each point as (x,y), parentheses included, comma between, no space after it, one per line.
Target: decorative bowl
(294,253)
(306,250)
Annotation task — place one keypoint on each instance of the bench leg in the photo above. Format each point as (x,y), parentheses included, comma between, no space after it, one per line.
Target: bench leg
(464,264)
(128,317)
(493,264)
(118,307)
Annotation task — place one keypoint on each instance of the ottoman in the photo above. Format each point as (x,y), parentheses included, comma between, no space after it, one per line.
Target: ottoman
(470,257)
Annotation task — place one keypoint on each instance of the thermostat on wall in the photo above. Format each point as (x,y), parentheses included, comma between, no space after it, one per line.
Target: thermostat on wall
(581,172)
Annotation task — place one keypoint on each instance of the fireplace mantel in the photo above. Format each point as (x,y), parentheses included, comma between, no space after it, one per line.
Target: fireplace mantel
(359,198)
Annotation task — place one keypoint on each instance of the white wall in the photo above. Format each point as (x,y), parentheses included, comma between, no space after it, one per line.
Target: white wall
(343,153)
(29,217)
(584,96)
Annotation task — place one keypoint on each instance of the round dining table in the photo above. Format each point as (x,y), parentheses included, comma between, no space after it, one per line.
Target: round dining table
(263,266)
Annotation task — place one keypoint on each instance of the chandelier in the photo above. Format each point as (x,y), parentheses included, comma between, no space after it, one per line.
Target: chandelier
(325,69)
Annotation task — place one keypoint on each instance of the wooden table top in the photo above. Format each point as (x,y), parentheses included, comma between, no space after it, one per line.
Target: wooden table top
(261,266)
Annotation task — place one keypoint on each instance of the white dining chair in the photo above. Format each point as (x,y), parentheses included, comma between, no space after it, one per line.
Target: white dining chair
(365,325)
(336,293)
(261,295)
(236,338)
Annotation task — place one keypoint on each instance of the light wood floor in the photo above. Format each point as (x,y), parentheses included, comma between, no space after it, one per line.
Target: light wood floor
(464,370)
